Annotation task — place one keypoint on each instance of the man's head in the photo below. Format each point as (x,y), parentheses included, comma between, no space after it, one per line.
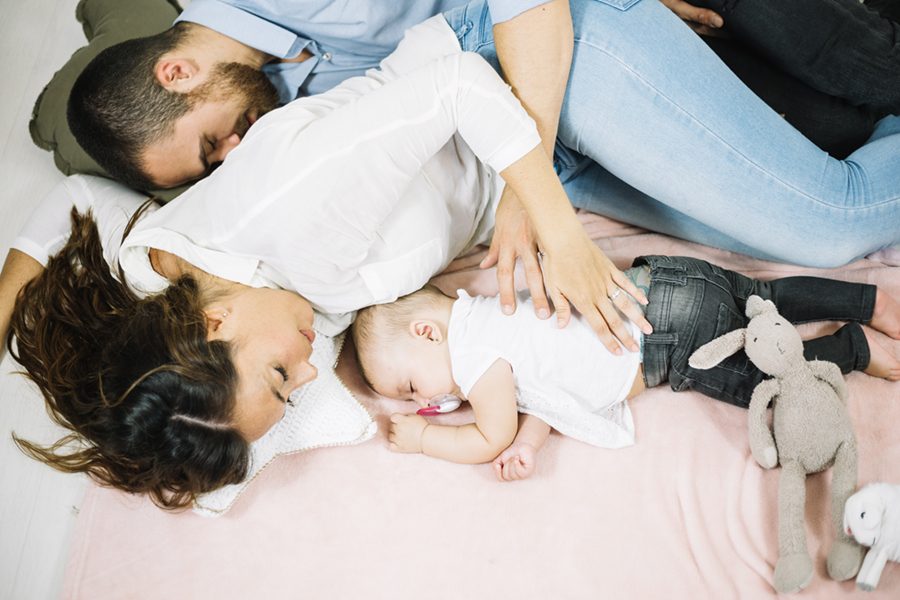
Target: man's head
(161,111)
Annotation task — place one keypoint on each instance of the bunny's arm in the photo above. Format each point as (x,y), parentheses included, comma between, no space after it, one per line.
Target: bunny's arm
(830,374)
(870,571)
(762,444)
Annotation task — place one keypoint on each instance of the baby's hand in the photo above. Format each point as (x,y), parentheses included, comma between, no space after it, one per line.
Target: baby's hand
(406,432)
(516,462)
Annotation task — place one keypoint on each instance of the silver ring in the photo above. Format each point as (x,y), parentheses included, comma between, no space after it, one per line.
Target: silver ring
(615,294)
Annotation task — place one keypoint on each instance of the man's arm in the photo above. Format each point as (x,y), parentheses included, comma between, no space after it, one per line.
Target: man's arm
(18,270)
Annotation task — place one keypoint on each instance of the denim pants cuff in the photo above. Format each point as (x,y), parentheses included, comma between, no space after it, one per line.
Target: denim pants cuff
(859,344)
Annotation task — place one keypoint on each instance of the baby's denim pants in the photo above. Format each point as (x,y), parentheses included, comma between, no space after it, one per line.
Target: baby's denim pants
(692,302)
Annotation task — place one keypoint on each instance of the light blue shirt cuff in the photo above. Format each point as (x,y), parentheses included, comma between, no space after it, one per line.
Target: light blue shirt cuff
(504,10)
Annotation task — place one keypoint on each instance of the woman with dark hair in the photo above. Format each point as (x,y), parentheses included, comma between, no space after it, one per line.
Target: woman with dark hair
(151,398)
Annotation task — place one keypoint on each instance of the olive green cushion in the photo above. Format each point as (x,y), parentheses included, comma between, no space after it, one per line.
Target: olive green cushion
(105,22)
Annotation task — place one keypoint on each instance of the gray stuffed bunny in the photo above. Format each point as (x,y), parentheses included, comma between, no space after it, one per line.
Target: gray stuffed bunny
(812,431)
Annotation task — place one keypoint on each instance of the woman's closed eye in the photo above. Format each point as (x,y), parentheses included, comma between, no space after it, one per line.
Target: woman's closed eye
(284,377)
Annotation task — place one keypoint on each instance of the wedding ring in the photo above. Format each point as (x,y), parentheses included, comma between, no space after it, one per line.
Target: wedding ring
(615,294)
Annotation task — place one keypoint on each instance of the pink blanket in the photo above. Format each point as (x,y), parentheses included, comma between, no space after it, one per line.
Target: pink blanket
(686,513)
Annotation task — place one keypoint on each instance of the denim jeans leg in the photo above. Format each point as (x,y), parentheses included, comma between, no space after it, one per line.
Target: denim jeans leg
(831,123)
(725,159)
(839,47)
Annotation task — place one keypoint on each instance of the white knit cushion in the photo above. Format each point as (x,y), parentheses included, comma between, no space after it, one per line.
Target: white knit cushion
(324,413)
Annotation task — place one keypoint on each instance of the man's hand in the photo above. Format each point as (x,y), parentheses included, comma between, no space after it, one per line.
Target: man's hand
(406,433)
(694,14)
(516,462)
(514,238)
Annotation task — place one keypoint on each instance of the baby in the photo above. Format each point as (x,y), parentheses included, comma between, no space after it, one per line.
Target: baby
(427,345)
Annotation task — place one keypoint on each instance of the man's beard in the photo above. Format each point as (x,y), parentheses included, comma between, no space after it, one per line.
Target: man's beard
(230,81)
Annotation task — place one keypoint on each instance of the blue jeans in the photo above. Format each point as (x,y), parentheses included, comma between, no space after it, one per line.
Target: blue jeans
(658,132)
(692,302)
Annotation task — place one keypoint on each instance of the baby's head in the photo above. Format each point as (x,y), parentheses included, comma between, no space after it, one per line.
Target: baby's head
(402,346)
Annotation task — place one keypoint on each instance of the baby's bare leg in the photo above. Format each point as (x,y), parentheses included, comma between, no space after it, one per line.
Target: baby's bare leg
(881,362)
(886,315)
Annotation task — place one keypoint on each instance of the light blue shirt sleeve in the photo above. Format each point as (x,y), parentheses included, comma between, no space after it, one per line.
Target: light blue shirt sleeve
(344,38)
(504,10)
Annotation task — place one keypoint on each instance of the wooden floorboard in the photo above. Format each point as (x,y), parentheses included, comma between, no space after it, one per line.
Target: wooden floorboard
(37,505)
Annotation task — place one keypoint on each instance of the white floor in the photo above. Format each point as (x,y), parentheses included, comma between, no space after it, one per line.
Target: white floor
(37,505)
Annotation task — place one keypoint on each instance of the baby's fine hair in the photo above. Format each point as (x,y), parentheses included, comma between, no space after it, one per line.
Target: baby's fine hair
(384,323)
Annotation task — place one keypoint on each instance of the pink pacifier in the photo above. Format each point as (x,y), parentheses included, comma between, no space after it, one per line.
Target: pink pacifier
(441,404)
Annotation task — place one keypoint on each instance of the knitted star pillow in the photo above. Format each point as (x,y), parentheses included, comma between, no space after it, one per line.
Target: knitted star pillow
(324,413)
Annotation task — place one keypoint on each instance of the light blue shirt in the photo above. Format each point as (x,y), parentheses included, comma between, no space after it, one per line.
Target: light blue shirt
(345,37)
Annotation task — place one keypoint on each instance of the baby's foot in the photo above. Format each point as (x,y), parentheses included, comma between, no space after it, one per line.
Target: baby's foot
(881,363)
(886,315)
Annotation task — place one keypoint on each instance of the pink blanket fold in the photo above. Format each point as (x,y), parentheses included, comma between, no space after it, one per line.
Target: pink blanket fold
(685,513)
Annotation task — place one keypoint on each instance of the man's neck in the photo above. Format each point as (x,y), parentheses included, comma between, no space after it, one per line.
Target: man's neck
(220,48)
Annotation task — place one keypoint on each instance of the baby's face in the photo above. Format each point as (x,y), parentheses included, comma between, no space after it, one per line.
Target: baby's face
(413,369)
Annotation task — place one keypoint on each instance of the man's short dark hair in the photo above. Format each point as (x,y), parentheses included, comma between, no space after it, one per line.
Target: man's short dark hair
(117,108)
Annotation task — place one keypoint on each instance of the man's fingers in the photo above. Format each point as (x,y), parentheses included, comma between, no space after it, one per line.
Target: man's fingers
(689,12)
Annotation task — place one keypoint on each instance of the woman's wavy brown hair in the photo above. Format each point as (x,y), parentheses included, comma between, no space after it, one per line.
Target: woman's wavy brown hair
(147,398)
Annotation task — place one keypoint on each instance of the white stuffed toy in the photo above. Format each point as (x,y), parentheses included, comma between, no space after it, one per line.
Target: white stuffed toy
(872,516)
(811,431)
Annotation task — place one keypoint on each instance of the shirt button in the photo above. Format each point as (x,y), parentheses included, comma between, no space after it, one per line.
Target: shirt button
(326,56)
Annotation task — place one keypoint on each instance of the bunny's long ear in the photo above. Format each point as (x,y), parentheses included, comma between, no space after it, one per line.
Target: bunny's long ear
(757,306)
(712,353)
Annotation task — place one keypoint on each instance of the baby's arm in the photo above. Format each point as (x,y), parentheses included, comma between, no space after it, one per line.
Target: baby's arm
(493,398)
(518,461)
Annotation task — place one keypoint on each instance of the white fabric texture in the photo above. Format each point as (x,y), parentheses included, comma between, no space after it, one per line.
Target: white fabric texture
(566,377)
(359,195)
(323,413)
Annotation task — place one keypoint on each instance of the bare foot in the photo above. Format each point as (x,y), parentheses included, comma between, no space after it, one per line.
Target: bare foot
(886,315)
(882,363)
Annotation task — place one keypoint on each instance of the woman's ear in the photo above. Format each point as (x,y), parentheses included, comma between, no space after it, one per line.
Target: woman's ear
(176,74)
(426,330)
(216,317)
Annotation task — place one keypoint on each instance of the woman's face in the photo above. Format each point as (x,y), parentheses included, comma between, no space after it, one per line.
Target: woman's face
(271,336)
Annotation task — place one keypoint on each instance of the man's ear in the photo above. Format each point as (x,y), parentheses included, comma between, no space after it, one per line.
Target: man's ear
(177,74)
(427,330)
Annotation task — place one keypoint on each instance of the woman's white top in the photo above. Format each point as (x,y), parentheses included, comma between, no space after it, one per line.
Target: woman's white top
(358,195)
(566,377)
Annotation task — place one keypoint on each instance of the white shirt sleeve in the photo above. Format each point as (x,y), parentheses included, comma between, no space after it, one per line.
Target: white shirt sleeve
(313,186)
(48,227)
(351,166)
